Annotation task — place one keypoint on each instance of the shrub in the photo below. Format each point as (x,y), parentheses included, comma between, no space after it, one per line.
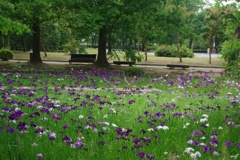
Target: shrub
(6,54)
(165,51)
(186,52)
(132,55)
(171,51)
(133,71)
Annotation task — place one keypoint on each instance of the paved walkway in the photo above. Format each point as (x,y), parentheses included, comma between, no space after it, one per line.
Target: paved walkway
(192,68)
(202,55)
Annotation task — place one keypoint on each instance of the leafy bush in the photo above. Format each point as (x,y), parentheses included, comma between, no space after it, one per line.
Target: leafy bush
(6,54)
(73,47)
(186,52)
(131,55)
(231,52)
(171,51)
(133,71)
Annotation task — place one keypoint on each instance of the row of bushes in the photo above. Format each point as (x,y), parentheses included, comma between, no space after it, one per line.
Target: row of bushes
(5,54)
(171,51)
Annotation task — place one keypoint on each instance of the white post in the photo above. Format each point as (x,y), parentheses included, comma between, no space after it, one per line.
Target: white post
(208,51)
(209,54)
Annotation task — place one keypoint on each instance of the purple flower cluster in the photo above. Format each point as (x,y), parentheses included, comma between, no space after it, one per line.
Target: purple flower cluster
(144,155)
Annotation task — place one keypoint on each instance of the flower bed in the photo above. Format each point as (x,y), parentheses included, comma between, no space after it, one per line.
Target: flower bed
(95,114)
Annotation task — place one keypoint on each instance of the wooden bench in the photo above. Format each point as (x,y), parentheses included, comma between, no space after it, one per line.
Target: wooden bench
(130,63)
(172,66)
(89,58)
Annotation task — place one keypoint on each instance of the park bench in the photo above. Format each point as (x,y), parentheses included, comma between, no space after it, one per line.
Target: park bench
(172,66)
(130,63)
(88,58)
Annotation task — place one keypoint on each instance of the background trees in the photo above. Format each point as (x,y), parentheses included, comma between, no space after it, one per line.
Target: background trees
(132,24)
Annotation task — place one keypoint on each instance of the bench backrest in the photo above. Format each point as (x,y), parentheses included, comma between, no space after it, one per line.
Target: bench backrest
(85,56)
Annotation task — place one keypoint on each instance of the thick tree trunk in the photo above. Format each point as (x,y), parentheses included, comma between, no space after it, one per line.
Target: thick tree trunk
(36,57)
(102,56)
(178,47)
(23,44)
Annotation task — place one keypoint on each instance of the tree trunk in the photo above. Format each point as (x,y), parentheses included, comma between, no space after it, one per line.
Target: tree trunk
(178,47)
(191,43)
(43,47)
(2,40)
(8,41)
(109,40)
(102,56)
(142,48)
(23,44)
(145,49)
(36,57)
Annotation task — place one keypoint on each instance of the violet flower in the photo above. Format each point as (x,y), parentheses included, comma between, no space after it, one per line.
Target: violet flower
(39,155)
(228,144)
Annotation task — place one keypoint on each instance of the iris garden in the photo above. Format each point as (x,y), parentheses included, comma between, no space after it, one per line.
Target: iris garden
(101,114)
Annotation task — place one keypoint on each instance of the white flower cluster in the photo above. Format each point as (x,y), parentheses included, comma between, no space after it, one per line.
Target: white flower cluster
(193,155)
(163,128)
(186,125)
(204,118)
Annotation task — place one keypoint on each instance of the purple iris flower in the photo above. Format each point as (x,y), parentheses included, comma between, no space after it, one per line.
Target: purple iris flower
(146,139)
(52,136)
(136,141)
(39,155)
(56,116)
(131,102)
(228,144)
(196,143)
(22,126)
(141,154)
(66,139)
(11,130)
(149,156)
(45,110)
(16,115)
(65,126)
(78,144)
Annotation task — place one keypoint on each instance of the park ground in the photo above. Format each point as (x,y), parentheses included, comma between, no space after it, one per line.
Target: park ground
(58,61)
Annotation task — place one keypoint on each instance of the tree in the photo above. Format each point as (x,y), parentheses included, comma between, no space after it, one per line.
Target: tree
(34,14)
(7,25)
(231,47)
(102,15)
